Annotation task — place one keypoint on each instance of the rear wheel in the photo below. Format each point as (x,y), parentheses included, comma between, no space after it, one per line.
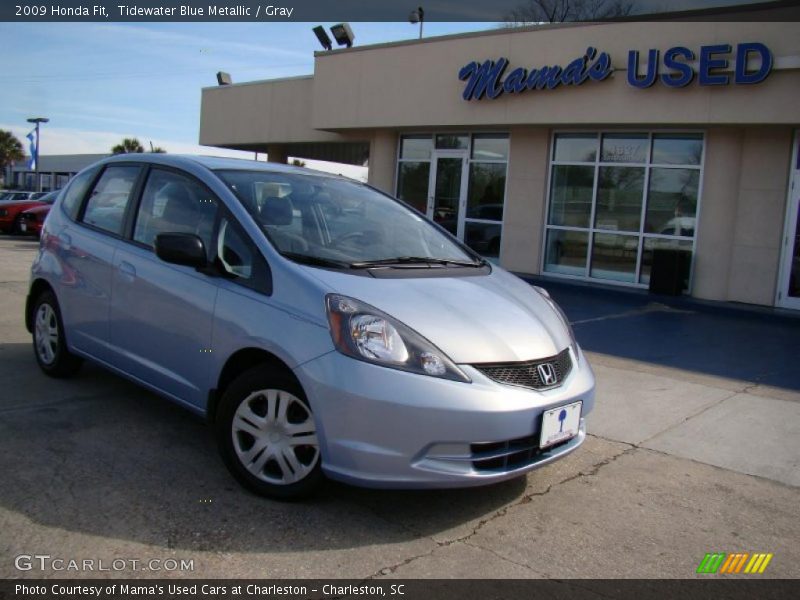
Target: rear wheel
(267,435)
(49,343)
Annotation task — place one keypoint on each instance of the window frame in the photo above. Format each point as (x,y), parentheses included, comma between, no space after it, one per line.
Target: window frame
(92,181)
(130,226)
(641,234)
(262,285)
(468,162)
(132,199)
(265,287)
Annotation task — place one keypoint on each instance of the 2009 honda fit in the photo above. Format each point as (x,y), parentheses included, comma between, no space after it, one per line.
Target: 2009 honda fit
(322,326)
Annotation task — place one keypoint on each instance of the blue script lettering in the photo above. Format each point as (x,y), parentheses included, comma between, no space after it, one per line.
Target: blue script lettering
(485,79)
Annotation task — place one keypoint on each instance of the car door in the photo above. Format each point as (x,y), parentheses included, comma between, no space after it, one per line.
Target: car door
(162,313)
(86,249)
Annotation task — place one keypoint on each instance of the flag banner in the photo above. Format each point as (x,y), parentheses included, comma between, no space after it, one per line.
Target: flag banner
(33,143)
(324,10)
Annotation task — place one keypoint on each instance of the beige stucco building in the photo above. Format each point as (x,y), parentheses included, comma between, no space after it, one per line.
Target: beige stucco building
(584,178)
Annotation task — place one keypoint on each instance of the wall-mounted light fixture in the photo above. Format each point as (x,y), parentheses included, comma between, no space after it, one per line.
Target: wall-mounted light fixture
(323,38)
(343,34)
(417,16)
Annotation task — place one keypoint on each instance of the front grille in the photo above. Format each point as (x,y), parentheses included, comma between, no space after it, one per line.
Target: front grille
(31,217)
(508,455)
(527,374)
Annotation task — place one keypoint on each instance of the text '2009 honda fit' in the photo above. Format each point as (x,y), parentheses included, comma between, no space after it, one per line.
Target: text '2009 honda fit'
(322,326)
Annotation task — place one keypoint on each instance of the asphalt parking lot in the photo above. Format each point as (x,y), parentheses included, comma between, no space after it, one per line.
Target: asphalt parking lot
(693,448)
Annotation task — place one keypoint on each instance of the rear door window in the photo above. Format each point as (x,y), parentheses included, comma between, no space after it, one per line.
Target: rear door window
(105,208)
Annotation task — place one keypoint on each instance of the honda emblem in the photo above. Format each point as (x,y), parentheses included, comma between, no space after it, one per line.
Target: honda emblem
(547,373)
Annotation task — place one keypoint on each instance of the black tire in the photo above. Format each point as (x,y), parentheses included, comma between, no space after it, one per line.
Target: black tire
(244,389)
(59,362)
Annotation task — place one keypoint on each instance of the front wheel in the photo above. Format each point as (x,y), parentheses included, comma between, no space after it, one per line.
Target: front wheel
(49,343)
(267,435)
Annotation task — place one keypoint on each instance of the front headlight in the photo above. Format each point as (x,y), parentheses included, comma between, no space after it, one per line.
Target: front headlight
(363,332)
(573,343)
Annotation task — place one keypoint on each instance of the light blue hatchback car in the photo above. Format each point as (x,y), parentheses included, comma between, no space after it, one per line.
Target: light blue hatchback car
(322,327)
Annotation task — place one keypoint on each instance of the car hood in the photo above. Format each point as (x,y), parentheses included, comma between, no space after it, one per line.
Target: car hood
(481,319)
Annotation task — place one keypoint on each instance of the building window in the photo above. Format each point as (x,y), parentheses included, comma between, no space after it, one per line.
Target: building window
(616,197)
(430,172)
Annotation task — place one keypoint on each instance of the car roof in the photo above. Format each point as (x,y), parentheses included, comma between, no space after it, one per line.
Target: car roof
(214,163)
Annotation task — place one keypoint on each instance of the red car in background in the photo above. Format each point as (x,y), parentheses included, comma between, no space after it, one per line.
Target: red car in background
(10,211)
(31,220)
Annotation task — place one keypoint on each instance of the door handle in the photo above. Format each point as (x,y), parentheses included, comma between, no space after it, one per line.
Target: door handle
(127,270)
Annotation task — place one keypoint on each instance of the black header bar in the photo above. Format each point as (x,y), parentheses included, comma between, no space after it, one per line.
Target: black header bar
(711,588)
(499,11)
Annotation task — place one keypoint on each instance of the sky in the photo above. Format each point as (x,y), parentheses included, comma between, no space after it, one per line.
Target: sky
(101,82)
(98,82)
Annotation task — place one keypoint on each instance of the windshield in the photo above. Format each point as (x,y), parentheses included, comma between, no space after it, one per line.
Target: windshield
(335,222)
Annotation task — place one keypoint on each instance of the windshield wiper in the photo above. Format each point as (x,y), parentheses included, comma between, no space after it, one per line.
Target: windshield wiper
(414,260)
(317,261)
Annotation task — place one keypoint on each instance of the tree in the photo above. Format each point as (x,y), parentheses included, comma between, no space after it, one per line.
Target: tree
(10,150)
(128,146)
(157,150)
(558,11)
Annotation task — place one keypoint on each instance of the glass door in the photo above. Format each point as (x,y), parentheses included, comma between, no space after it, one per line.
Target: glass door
(448,190)
(789,286)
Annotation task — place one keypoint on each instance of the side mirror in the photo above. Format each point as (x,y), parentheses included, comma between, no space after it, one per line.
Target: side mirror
(181,249)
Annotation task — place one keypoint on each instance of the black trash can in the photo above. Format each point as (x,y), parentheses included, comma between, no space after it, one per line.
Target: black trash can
(669,273)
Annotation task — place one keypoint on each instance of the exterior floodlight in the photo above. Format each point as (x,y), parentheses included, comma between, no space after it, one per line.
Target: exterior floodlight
(224,78)
(323,38)
(343,34)
(417,16)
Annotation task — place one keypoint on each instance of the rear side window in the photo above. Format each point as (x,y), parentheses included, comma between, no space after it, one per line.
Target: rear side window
(105,208)
(75,192)
(173,203)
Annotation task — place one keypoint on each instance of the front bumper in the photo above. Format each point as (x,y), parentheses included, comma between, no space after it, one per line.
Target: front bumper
(380,427)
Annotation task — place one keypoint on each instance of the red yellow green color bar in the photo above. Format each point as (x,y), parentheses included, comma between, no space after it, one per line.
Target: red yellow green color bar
(737,562)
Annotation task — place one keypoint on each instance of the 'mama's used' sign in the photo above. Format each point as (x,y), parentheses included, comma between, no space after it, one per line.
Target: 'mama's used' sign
(674,69)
